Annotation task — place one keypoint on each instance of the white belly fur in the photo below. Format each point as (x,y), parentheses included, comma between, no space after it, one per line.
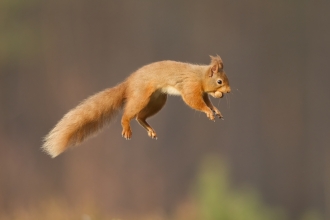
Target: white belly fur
(171,90)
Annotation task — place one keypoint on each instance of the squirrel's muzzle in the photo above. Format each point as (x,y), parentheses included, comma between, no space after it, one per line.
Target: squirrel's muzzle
(220,92)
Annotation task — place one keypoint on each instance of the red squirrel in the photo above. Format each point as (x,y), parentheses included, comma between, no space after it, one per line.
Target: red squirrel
(140,96)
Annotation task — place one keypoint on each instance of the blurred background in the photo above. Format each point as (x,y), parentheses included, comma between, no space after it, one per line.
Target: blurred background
(269,158)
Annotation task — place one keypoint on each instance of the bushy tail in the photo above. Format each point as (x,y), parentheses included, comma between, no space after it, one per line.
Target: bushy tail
(84,120)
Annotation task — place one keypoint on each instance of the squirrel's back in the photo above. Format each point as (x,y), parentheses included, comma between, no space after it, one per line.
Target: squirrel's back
(163,74)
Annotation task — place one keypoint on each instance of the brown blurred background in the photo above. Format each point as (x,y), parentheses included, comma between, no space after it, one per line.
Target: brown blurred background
(274,139)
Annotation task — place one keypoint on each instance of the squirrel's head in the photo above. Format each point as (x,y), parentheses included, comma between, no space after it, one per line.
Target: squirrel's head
(217,83)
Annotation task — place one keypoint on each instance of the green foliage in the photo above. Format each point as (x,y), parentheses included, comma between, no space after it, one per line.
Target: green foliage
(312,214)
(217,200)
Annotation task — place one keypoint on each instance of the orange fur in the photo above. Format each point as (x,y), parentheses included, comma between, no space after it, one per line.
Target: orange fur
(142,94)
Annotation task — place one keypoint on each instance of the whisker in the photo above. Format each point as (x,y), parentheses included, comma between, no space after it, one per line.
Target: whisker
(228,101)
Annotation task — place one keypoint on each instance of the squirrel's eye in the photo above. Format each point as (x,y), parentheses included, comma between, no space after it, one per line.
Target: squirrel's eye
(219,81)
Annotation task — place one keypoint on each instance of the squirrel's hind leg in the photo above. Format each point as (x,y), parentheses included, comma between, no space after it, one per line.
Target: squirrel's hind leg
(156,103)
(143,104)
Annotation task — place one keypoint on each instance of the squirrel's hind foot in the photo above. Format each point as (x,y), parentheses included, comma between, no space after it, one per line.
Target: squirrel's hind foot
(127,134)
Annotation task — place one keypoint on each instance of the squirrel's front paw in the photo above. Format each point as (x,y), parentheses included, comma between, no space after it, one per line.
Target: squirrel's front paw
(217,113)
(210,115)
(152,134)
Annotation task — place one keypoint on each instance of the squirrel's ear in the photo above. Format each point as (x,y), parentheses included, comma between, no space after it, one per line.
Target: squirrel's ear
(214,69)
(216,61)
